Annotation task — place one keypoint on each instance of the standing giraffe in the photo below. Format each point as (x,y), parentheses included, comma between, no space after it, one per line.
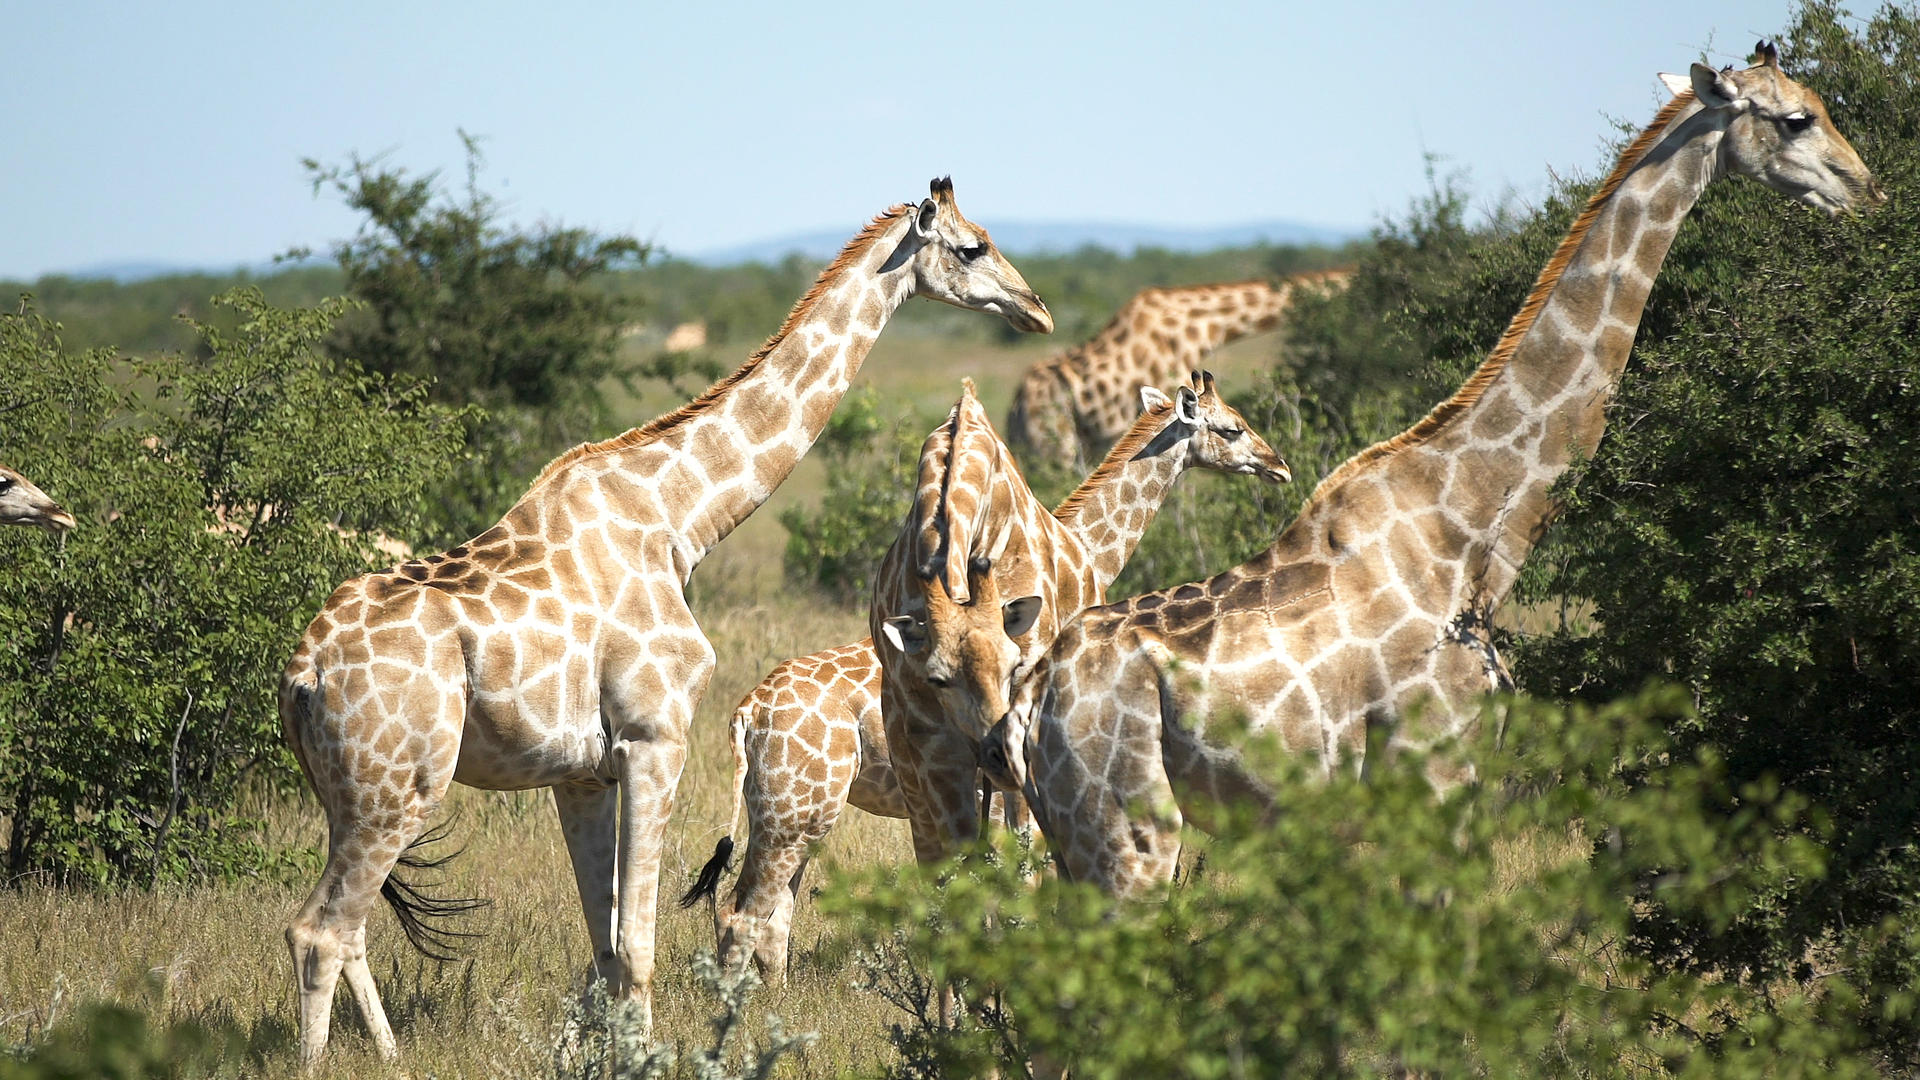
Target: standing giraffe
(23,503)
(1069,406)
(809,739)
(556,649)
(1378,596)
(949,659)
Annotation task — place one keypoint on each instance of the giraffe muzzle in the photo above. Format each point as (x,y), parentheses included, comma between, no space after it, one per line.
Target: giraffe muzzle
(1030,314)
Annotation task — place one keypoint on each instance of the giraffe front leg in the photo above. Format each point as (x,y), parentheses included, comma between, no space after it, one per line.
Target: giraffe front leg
(941,785)
(649,719)
(590,820)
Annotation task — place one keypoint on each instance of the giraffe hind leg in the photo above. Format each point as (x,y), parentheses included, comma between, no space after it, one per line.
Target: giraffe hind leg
(328,938)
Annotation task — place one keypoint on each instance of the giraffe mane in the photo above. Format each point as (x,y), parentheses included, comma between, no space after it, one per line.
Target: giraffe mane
(938,458)
(962,543)
(854,250)
(1145,427)
(1496,362)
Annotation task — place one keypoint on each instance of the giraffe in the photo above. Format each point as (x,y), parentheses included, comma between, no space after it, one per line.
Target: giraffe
(23,503)
(809,740)
(1378,595)
(1069,406)
(949,659)
(556,649)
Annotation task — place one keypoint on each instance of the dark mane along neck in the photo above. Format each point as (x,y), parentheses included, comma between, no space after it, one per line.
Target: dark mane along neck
(850,256)
(1543,287)
(1144,429)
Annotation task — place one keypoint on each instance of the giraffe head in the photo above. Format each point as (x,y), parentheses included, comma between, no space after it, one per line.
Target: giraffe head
(956,263)
(1219,438)
(21,503)
(966,652)
(1779,133)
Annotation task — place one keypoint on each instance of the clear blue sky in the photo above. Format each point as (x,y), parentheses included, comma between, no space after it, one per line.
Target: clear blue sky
(174,132)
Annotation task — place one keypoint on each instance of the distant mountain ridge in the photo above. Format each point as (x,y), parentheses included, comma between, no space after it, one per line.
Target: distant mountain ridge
(1014,237)
(1058,238)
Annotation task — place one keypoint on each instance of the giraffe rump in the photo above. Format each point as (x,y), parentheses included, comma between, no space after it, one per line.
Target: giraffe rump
(413,905)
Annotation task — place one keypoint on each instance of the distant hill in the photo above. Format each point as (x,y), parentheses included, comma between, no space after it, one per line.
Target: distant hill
(1014,237)
(1059,238)
(129,271)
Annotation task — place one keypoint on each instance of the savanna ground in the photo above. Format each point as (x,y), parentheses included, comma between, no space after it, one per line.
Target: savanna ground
(216,952)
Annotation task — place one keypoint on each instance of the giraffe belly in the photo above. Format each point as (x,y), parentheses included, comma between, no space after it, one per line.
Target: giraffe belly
(504,749)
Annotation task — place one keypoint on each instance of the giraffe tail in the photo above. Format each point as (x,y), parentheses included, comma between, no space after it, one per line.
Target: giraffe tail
(413,905)
(707,885)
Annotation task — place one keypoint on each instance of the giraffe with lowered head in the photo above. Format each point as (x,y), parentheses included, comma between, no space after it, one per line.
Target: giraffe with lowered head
(1378,596)
(809,739)
(556,649)
(23,503)
(1068,407)
(949,658)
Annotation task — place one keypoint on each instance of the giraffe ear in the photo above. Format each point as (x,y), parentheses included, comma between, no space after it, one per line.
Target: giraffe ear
(904,633)
(1186,405)
(1713,88)
(923,218)
(1020,615)
(1152,398)
(1675,84)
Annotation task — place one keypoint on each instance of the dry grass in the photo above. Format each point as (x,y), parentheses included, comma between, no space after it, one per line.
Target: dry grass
(217,952)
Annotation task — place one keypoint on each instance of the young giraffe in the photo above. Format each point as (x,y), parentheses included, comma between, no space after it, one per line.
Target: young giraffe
(948,662)
(556,648)
(1378,596)
(1069,406)
(809,740)
(23,503)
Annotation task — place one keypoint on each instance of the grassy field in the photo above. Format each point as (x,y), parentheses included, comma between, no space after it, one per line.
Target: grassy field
(217,952)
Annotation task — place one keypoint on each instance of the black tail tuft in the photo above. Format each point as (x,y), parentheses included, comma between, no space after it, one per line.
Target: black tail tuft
(412,904)
(708,883)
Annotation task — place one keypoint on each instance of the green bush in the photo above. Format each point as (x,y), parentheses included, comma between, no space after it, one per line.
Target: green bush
(871,471)
(1373,929)
(603,1039)
(115,1042)
(139,655)
(1751,527)
(518,322)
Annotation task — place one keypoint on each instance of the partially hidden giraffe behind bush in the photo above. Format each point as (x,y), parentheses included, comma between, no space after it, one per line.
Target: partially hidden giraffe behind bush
(1069,408)
(23,503)
(556,649)
(809,740)
(1371,611)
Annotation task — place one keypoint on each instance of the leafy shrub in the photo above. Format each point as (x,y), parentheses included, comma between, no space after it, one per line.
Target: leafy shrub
(1751,527)
(116,1042)
(517,322)
(871,471)
(219,501)
(604,1039)
(1372,928)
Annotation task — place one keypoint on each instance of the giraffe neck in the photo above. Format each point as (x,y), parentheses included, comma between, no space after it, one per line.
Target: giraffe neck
(1489,455)
(726,453)
(1111,509)
(1549,404)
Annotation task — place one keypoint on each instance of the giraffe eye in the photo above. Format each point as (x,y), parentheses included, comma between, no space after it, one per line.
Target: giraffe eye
(1798,122)
(973,251)
(1230,433)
